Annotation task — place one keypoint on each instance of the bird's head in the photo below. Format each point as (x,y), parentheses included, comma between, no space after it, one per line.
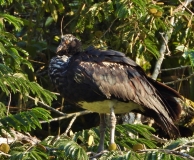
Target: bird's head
(69,45)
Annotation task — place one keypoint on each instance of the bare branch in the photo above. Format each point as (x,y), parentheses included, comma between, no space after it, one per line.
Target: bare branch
(96,155)
(182,5)
(158,66)
(176,68)
(179,80)
(68,116)
(185,5)
(162,54)
(17,136)
(8,105)
(62,26)
(70,124)
(5,154)
(56,93)
(185,155)
(166,43)
(47,106)
(106,30)
(158,139)
(31,60)
(165,40)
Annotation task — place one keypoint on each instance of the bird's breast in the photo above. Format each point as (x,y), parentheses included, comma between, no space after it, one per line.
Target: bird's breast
(104,106)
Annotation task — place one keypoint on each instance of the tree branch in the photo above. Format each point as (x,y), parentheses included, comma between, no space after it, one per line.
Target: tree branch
(5,154)
(185,4)
(68,116)
(70,124)
(179,80)
(185,155)
(176,68)
(161,58)
(47,106)
(164,45)
(8,105)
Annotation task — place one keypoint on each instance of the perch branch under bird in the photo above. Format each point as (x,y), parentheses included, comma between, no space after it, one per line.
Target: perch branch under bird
(106,81)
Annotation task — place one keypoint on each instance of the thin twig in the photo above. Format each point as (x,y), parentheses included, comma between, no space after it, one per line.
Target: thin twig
(166,43)
(8,105)
(36,61)
(107,30)
(68,116)
(179,87)
(178,80)
(5,154)
(181,6)
(158,139)
(169,152)
(97,154)
(56,93)
(29,148)
(176,68)
(47,106)
(70,21)
(70,124)
(185,6)
(62,26)
(184,145)
(77,14)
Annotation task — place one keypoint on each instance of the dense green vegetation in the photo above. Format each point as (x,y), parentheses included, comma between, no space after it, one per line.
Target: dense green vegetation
(158,35)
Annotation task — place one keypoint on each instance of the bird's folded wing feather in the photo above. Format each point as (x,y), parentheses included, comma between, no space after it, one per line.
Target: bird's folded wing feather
(119,80)
(115,78)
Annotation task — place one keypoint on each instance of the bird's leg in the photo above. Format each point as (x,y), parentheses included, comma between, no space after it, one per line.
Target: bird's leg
(112,124)
(102,132)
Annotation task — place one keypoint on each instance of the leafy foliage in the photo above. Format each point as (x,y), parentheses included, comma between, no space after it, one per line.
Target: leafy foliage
(12,78)
(24,121)
(189,55)
(14,61)
(70,149)
(19,83)
(22,152)
(122,136)
(30,32)
(65,147)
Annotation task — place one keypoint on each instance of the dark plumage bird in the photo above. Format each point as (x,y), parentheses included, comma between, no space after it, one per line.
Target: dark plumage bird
(106,81)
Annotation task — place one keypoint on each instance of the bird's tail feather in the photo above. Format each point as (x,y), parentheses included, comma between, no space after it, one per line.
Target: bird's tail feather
(170,99)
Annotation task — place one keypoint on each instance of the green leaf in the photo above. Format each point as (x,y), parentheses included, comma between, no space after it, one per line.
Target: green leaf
(189,54)
(70,149)
(25,121)
(151,47)
(121,10)
(13,20)
(49,21)
(2,49)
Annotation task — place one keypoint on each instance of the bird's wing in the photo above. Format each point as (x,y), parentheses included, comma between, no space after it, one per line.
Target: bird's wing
(121,81)
(116,76)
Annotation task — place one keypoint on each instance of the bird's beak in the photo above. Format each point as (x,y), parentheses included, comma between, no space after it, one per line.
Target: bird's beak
(62,46)
(59,48)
